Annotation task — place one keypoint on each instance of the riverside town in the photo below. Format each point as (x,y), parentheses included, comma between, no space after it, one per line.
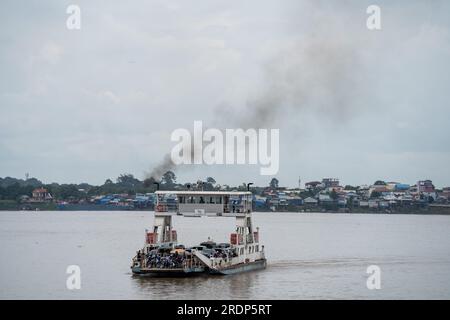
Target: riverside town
(326,194)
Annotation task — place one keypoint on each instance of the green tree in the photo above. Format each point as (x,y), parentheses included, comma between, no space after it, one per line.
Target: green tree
(274,183)
(209,184)
(128,180)
(15,191)
(168,179)
(65,191)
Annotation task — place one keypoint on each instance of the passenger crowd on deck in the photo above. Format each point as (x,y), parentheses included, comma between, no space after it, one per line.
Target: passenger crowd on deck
(171,260)
(166,258)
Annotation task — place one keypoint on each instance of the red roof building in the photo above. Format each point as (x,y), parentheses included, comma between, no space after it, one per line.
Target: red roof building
(41,194)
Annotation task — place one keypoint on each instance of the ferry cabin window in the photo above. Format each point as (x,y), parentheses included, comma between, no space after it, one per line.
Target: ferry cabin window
(191,199)
(202,200)
(257,248)
(212,200)
(182,200)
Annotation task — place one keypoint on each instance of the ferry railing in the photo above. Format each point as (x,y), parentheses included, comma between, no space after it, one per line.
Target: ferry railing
(220,262)
(166,207)
(191,262)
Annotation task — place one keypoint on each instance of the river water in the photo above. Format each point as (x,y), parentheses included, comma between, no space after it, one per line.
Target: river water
(310,256)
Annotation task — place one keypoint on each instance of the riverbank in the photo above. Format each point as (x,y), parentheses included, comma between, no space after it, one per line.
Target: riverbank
(430,209)
(10,205)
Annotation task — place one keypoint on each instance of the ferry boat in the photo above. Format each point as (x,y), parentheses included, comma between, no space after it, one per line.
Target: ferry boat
(162,255)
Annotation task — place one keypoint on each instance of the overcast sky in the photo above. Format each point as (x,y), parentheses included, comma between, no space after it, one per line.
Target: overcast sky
(87,105)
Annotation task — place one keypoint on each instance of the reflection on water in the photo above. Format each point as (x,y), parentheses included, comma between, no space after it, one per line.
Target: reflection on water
(238,286)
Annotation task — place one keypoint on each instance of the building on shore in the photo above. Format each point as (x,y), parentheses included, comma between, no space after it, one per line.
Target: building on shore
(446,193)
(312,185)
(310,201)
(425,188)
(41,195)
(330,183)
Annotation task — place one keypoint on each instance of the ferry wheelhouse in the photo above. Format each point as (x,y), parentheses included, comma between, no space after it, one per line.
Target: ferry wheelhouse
(163,255)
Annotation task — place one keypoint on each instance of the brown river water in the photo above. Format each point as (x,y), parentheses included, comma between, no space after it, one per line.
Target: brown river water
(310,256)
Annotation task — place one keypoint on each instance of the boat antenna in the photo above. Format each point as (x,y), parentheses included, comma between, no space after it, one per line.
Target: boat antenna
(157,185)
(248,186)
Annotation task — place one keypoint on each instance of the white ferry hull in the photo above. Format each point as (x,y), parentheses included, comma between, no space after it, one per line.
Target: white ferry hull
(241,267)
(169,272)
(179,272)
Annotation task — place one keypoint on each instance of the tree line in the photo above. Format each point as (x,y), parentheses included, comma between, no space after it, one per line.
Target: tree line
(15,189)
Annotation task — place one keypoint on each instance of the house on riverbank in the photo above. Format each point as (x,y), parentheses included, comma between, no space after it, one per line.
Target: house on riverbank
(40,195)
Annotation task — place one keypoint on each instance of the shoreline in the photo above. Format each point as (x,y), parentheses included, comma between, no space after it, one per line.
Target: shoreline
(422,212)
